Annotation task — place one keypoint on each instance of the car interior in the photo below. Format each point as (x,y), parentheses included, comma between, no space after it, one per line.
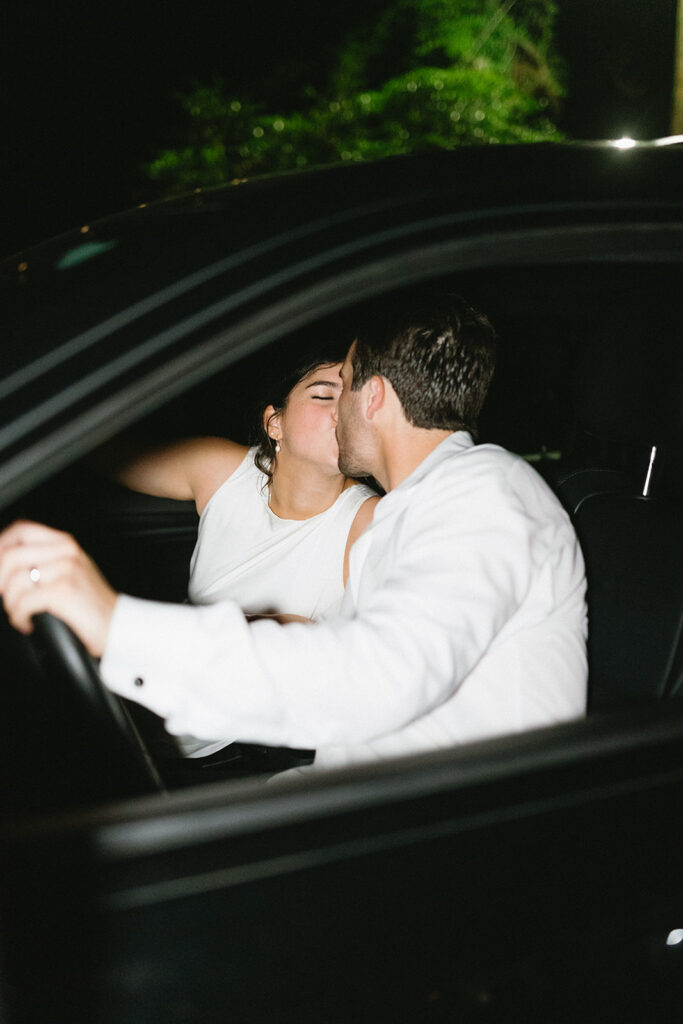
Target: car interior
(587,389)
(531,877)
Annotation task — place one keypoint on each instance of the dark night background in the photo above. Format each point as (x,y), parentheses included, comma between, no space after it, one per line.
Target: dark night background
(89,90)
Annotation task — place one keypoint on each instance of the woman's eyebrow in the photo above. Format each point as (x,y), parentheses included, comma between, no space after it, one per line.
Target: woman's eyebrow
(324,383)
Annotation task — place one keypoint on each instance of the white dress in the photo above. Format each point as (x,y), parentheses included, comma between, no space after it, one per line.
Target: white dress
(246,554)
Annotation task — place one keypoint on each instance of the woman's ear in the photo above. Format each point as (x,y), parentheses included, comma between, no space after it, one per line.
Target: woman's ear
(271,422)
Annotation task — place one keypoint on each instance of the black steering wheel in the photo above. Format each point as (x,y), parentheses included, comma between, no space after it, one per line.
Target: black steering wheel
(68,664)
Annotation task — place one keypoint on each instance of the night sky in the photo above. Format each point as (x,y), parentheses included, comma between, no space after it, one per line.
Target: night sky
(88,90)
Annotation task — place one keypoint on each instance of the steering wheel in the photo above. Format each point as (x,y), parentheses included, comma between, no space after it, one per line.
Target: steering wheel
(68,664)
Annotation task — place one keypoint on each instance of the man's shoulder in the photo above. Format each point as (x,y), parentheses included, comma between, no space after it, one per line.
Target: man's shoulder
(492,459)
(487,473)
(476,461)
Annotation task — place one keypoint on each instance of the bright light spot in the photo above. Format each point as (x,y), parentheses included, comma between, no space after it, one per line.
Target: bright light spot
(258,132)
(479,115)
(454,115)
(675,937)
(624,143)
(279,125)
(365,99)
(412,86)
(22,268)
(669,140)
(85,229)
(438,84)
(235,106)
(141,206)
(334,106)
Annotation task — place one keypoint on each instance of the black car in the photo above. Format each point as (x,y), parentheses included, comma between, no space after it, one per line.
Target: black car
(534,877)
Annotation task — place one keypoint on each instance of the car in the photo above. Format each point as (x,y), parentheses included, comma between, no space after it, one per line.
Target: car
(532,877)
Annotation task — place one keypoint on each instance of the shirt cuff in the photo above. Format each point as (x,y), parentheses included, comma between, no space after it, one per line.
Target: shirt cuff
(151,654)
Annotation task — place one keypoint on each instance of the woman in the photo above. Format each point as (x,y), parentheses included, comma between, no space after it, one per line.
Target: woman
(278,520)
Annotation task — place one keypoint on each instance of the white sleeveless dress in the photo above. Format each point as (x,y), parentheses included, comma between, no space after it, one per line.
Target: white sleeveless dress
(245,553)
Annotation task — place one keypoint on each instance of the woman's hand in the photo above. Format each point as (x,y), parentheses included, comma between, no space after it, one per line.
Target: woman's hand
(282,617)
(45,570)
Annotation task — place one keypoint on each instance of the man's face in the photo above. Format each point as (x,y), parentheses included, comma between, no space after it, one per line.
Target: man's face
(351,432)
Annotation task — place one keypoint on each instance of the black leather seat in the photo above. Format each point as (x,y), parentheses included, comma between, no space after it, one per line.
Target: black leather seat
(633,547)
(628,400)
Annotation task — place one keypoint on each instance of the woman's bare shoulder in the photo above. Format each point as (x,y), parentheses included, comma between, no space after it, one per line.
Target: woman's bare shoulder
(363,517)
(361,521)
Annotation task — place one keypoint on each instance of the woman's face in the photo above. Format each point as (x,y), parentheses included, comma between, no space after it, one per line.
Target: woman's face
(306,426)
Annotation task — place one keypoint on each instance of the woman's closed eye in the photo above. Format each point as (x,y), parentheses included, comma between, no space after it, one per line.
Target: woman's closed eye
(329,390)
(326,394)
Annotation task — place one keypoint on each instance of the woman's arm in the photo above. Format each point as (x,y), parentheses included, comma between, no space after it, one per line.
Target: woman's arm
(190,470)
(360,523)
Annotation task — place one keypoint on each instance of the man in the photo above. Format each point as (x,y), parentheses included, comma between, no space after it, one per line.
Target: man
(464,613)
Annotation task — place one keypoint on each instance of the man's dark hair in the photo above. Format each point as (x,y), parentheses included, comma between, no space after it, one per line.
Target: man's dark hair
(439,360)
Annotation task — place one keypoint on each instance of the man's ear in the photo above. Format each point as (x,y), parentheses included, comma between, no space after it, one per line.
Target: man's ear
(375,396)
(271,422)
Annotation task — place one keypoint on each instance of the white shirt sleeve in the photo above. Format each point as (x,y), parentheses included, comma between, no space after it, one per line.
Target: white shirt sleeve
(450,585)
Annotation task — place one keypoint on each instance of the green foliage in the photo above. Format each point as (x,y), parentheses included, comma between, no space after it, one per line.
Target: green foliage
(430,74)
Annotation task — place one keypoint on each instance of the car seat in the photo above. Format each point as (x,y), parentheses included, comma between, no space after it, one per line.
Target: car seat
(624,499)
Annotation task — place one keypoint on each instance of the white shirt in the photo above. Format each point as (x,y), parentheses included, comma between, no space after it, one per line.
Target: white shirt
(464,617)
(247,554)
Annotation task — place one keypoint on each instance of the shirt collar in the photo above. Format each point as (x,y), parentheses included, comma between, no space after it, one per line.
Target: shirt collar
(455,443)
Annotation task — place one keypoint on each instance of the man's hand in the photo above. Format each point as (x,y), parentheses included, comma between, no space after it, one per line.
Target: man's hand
(44,570)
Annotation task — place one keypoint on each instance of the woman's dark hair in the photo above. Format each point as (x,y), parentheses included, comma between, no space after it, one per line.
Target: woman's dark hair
(277,395)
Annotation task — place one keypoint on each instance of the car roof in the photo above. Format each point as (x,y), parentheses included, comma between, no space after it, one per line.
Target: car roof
(310,211)
(95,308)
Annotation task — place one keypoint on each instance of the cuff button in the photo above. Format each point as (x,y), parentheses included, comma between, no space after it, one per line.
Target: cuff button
(139,681)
